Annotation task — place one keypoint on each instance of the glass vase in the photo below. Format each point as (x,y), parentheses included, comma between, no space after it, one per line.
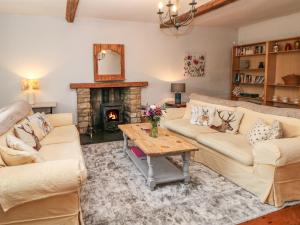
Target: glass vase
(154,129)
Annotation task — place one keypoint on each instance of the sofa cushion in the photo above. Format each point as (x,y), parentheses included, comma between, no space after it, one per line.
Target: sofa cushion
(71,150)
(227,121)
(233,146)
(26,133)
(290,126)
(261,131)
(184,127)
(13,157)
(188,111)
(2,163)
(62,134)
(40,124)
(17,144)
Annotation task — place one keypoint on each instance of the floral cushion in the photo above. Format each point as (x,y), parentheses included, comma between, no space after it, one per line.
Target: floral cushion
(40,125)
(261,131)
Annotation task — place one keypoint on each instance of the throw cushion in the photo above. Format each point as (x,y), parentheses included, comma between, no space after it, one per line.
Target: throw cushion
(202,115)
(40,125)
(13,157)
(17,144)
(227,121)
(261,131)
(2,164)
(26,133)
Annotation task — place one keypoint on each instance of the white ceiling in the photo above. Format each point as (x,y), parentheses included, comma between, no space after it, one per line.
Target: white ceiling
(240,13)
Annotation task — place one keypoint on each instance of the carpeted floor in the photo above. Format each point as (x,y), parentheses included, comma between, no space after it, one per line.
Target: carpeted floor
(115,193)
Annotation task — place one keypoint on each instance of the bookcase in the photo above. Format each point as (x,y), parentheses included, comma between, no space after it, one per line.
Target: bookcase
(258,68)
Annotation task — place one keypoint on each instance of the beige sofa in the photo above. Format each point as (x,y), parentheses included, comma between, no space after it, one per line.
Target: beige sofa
(46,193)
(269,169)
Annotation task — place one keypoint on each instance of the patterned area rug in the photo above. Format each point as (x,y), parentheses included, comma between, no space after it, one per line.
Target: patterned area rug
(116,194)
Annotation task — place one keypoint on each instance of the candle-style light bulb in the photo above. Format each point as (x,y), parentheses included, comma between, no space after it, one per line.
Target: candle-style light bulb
(174,10)
(160,6)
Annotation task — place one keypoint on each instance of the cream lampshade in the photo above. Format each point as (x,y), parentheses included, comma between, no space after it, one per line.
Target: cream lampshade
(30,85)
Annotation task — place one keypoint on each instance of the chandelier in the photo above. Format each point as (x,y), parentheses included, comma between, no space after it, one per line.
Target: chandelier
(170,18)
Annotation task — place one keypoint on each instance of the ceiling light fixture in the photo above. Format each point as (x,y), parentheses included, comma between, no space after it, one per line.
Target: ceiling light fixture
(171,18)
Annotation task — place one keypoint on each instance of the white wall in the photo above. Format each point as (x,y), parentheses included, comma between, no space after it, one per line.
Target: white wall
(60,53)
(277,28)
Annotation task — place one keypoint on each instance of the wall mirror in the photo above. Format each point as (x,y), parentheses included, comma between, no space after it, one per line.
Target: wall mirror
(109,62)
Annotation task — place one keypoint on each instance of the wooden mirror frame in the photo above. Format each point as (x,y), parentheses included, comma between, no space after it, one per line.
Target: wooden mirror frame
(118,48)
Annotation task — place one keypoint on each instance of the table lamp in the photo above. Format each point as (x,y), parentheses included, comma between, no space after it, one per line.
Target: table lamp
(29,85)
(178,88)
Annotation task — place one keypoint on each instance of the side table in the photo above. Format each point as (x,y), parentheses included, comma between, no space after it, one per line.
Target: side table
(171,104)
(46,107)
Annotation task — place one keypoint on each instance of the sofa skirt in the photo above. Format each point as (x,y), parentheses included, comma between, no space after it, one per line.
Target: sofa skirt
(57,210)
(273,185)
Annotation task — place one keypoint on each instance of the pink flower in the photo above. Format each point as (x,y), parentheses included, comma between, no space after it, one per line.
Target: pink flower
(195,61)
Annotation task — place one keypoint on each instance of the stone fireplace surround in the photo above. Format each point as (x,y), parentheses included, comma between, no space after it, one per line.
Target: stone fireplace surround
(89,99)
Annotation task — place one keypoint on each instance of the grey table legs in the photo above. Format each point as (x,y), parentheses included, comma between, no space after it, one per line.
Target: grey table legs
(186,165)
(125,145)
(164,169)
(150,179)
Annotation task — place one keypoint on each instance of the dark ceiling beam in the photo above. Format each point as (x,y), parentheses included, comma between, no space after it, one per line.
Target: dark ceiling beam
(203,9)
(71,10)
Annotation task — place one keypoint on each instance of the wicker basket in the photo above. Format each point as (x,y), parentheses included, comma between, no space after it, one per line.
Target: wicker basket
(291,79)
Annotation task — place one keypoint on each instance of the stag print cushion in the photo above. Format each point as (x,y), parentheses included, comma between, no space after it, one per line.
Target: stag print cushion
(26,133)
(17,144)
(40,125)
(261,131)
(2,164)
(227,121)
(13,157)
(202,115)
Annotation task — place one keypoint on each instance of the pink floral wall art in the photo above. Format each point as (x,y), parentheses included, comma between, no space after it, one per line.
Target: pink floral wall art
(194,65)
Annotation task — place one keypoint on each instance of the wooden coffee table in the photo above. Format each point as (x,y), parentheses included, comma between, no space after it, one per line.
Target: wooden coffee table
(155,167)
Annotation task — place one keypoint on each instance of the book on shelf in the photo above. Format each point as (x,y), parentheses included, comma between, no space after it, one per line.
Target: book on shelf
(241,78)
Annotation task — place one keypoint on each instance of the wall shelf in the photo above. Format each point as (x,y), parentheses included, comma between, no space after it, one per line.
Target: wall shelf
(251,55)
(284,85)
(284,103)
(277,65)
(249,70)
(285,52)
(253,84)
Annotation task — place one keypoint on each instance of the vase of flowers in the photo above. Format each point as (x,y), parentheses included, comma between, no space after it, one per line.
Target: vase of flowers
(153,114)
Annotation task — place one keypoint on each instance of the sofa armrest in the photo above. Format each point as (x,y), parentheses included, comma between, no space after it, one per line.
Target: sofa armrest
(26,183)
(60,119)
(277,152)
(171,114)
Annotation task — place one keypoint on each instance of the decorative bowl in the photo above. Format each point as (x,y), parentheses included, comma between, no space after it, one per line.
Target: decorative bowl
(291,79)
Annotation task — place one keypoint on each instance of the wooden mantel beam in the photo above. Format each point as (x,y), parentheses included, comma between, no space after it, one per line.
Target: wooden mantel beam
(71,10)
(203,9)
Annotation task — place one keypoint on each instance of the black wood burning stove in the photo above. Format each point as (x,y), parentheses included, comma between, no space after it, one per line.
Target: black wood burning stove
(112,115)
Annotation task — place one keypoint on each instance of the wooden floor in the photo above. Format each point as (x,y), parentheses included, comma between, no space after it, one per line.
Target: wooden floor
(286,216)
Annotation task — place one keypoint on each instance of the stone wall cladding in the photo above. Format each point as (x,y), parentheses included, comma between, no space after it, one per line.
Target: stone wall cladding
(132,104)
(83,109)
(130,96)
